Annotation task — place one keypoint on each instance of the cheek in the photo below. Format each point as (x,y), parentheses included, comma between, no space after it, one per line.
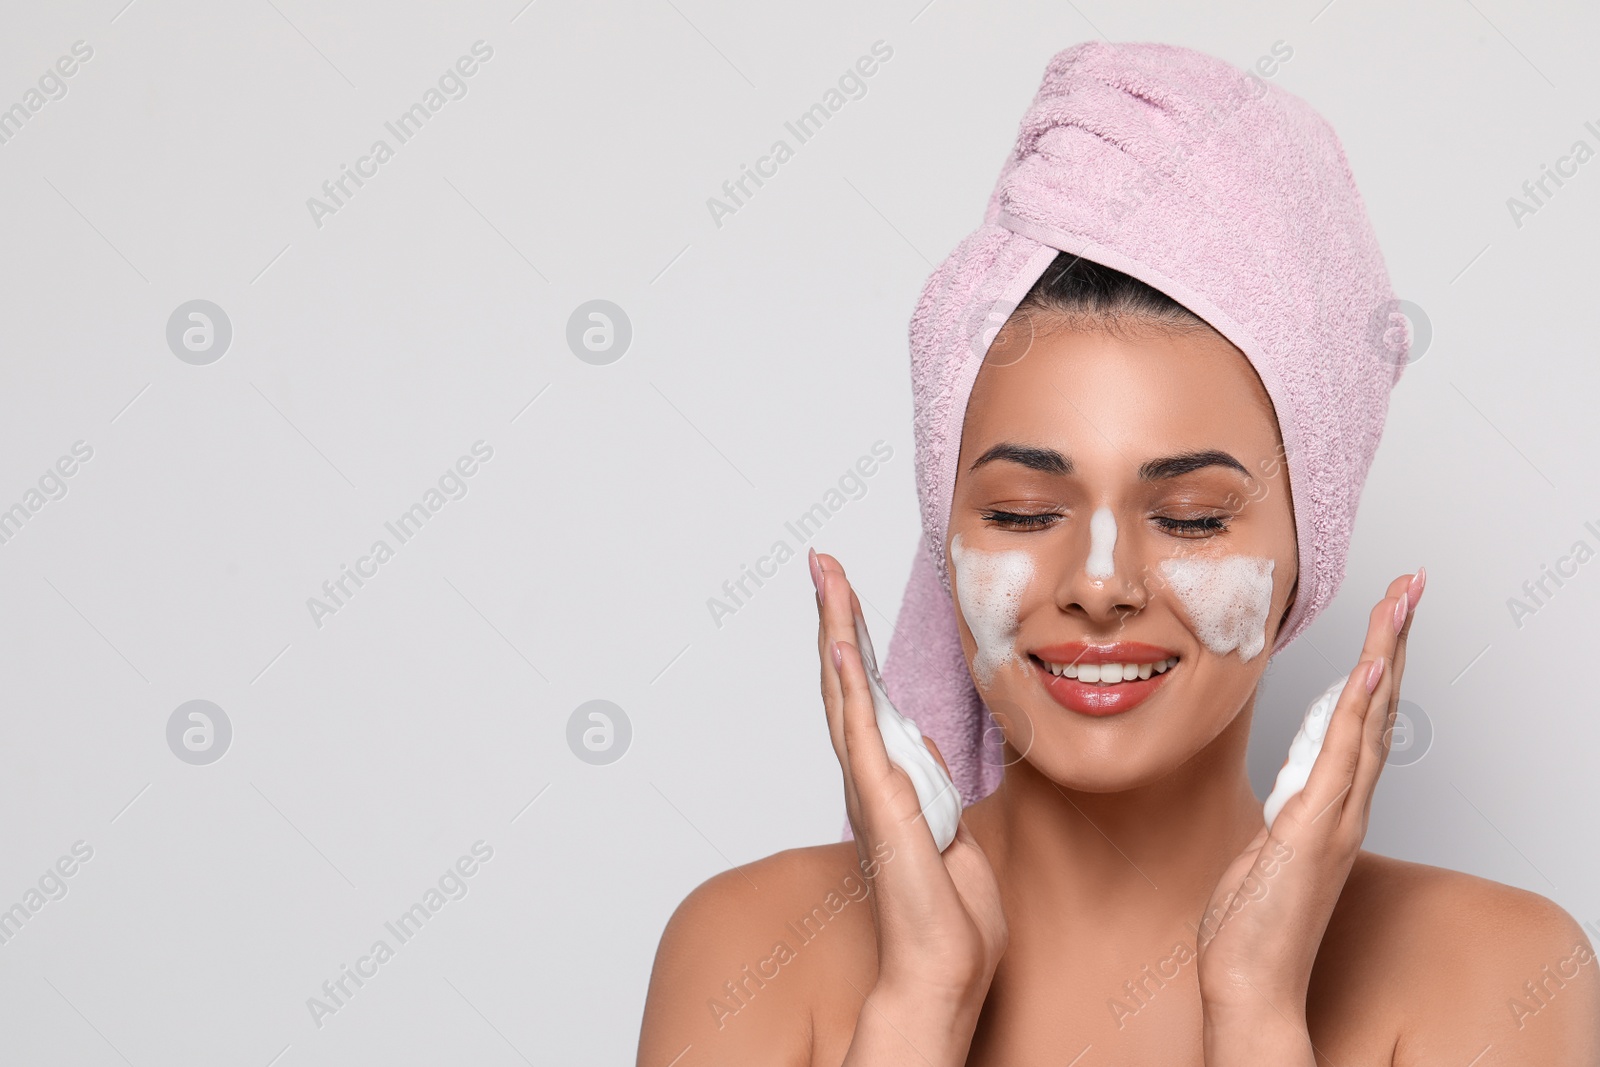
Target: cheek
(1227,600)
(989,588)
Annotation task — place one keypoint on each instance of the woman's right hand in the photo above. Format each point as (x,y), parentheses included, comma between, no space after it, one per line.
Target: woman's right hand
(940,927)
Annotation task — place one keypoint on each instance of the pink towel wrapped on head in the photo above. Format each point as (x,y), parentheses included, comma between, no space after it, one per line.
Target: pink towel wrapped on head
(1228,194)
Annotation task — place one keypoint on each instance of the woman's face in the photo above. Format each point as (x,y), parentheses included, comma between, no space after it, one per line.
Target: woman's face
(1101,513)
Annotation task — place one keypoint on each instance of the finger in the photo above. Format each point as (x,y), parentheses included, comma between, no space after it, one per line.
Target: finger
(869,757)
(832,694)
(1379,730)
(858,720)
(1230,882)
(855,716)
(934,748)
(833,703)
(971,875)
(1385,700)
(964,834)
(1332,776)
(886,795)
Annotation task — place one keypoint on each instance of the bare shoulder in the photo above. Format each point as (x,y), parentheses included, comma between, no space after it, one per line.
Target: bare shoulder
(1461,966)
(754,955)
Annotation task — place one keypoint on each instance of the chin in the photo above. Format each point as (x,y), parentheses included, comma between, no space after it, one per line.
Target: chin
(1109,753)
(1105,765)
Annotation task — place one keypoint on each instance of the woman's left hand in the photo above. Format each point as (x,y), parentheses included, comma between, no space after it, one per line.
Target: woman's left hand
(1265,921)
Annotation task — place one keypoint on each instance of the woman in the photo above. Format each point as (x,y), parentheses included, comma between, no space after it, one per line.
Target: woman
(1133,493)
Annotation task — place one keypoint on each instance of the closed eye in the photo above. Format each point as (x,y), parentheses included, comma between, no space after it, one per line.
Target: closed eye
(1209,524)
(1015,520)
(1019,521)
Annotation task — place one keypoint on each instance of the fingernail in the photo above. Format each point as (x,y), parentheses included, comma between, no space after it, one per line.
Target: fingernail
(1418,580)
(816,570)
(1400,612)
(1374,673)
(838,657)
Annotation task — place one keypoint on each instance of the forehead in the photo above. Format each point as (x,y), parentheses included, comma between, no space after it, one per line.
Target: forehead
(1127,395)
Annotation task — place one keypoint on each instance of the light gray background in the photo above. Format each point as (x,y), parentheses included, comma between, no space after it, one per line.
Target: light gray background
(768,355)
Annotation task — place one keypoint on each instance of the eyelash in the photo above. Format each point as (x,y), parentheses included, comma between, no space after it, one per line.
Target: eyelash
(1209,524)
(1017,521)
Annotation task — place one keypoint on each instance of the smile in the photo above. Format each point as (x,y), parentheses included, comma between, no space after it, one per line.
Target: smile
(1110,673)
(1102,680)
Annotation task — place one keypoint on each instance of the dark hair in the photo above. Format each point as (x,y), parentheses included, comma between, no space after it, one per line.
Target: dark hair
(1089,294)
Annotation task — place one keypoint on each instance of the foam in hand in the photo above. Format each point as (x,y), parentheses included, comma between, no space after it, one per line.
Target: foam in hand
(1303,751)
(936,793)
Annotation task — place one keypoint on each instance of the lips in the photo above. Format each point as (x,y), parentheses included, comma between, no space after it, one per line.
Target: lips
(1102,698)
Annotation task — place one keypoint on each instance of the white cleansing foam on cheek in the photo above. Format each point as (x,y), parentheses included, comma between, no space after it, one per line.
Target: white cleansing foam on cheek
(989,586)
(936,793)
(1102,544)
(1303,751)
(1228,600)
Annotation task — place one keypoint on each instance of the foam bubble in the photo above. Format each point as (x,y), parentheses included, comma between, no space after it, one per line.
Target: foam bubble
(1102,544)
(1303,751)
(989,586)
(1228,600)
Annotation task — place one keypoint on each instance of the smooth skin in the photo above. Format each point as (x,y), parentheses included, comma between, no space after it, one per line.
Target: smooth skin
(1118,899)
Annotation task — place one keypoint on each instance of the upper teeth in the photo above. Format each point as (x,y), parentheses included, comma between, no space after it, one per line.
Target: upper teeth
(1110,672)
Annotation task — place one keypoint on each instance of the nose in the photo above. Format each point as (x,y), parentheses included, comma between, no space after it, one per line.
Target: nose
(1097,577)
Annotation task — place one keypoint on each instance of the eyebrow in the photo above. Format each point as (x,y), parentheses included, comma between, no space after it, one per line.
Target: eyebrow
(1050,461)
